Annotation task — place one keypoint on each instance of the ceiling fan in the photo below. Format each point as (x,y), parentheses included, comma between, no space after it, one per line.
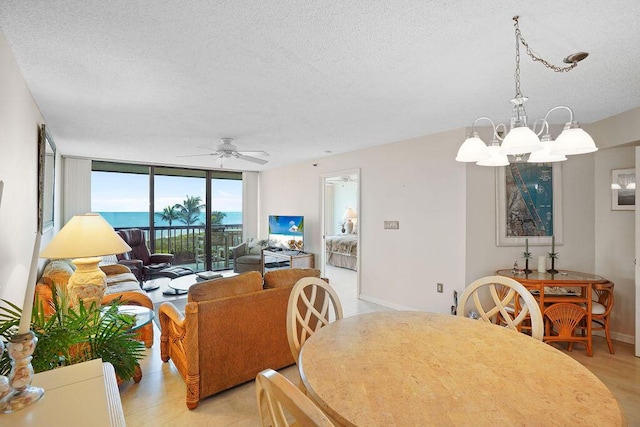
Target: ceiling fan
(227,149)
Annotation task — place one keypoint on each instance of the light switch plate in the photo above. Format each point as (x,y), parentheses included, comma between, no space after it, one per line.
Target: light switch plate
(391,225)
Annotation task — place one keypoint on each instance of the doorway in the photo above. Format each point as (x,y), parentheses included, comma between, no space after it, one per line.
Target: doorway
(341,219)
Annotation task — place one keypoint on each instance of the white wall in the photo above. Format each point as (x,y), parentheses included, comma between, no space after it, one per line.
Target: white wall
(416,182)
(615,240)
(577,253)
(19,121)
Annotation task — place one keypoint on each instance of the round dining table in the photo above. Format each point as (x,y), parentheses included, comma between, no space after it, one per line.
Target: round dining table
(409,368)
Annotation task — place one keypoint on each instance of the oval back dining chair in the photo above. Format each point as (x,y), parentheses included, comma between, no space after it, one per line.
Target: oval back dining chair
(499,304)
(276,394)
(309,310)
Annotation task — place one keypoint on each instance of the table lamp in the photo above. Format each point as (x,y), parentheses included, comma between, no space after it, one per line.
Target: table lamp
(85,238)
(349,215)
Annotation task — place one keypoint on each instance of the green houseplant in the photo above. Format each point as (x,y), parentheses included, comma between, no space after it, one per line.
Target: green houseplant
(76,335)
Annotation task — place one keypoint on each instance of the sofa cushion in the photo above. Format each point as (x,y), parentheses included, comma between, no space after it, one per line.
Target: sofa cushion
(287,277)
(225,287)
(123,286)
(249,259)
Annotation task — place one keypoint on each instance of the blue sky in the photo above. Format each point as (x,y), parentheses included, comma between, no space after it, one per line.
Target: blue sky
(119,192)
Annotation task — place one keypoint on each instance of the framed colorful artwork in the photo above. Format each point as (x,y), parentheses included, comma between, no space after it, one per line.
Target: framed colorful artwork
(528,204)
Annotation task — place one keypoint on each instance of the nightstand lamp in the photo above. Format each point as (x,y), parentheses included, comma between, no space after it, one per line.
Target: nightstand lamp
(350,216)
(85,238)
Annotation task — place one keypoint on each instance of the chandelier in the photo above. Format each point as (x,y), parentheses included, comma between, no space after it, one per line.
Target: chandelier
(520,140)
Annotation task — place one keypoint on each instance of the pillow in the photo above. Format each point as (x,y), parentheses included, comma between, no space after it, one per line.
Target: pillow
(108,259)
(57,272)
(255,246)
(226,287)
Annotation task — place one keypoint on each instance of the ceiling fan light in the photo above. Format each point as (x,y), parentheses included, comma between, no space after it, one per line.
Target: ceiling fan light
(520,140)
(496,158)
(573,140)
(473,149)
(616,186)
(631,186)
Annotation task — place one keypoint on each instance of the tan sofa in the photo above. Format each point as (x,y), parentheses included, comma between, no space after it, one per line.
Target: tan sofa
(121,284)
(232,329)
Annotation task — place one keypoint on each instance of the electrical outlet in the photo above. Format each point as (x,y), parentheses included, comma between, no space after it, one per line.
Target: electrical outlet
(392,225)
(440,287)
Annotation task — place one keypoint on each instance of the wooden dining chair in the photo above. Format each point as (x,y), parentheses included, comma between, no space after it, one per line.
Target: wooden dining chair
(562,320)
(494,299)
(313,303)
(601,308)
(279,399)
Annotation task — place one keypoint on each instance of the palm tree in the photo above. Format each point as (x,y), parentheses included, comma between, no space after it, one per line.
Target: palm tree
(169,214)
(217,217)
(189,214)
(189,210)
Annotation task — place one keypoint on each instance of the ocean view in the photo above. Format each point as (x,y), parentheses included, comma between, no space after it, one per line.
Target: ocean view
(141,219)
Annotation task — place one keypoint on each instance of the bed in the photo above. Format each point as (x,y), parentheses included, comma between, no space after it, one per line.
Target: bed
(342,251)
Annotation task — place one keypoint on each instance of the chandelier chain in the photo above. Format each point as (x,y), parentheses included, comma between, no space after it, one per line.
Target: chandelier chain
(535,56)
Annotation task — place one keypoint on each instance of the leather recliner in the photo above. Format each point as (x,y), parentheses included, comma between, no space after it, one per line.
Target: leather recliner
(140,260)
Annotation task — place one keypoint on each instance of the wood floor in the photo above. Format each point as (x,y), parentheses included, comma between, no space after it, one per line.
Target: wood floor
(159,399)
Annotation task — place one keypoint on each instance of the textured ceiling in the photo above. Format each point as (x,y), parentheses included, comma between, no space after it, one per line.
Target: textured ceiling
(152,80)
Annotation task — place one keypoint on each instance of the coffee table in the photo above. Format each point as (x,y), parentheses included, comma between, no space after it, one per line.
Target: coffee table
(182,284)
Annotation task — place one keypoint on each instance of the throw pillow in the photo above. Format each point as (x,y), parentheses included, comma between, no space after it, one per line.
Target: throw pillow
(255,246)
(57,272)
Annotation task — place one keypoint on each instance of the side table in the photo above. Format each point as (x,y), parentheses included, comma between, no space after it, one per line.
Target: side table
(82,394)
(295,259)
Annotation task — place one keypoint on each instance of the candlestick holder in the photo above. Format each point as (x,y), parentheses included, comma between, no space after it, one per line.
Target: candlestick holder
(20,349)
(526,266)
(553,257)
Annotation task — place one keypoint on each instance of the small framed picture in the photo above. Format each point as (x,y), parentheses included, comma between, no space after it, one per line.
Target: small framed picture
(623,189)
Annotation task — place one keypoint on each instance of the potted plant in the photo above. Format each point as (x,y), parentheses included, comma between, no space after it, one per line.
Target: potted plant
(71,336)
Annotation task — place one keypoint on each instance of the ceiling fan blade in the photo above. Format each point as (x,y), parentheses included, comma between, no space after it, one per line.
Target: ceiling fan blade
(201,154)
(254,153)
(250,159)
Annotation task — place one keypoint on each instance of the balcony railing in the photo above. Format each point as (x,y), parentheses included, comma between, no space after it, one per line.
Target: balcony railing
(186,242)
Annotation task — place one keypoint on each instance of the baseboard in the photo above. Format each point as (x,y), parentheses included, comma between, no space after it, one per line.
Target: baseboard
(385,303)
(629,339)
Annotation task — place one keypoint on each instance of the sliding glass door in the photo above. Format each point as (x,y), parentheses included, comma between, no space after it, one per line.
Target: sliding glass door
(196,214)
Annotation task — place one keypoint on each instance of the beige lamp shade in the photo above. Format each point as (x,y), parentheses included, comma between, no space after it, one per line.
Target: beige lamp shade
(83,236)
(349,214)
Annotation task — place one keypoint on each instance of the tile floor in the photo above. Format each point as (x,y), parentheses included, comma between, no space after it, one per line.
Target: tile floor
(159,399)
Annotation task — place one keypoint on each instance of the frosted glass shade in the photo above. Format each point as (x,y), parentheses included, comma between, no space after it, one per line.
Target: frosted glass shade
(544,155)
(573,141)
(496,158)
(520,140)
(473,149)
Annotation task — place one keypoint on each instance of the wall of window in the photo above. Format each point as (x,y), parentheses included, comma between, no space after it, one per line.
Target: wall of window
(195,214)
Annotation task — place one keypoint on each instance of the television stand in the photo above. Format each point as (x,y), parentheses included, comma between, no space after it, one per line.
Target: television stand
(287,259)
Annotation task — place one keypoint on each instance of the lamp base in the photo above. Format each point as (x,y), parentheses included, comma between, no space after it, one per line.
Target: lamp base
(349,227)
(88,283)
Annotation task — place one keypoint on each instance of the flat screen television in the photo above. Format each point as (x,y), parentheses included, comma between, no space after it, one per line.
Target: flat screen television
(286,231)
